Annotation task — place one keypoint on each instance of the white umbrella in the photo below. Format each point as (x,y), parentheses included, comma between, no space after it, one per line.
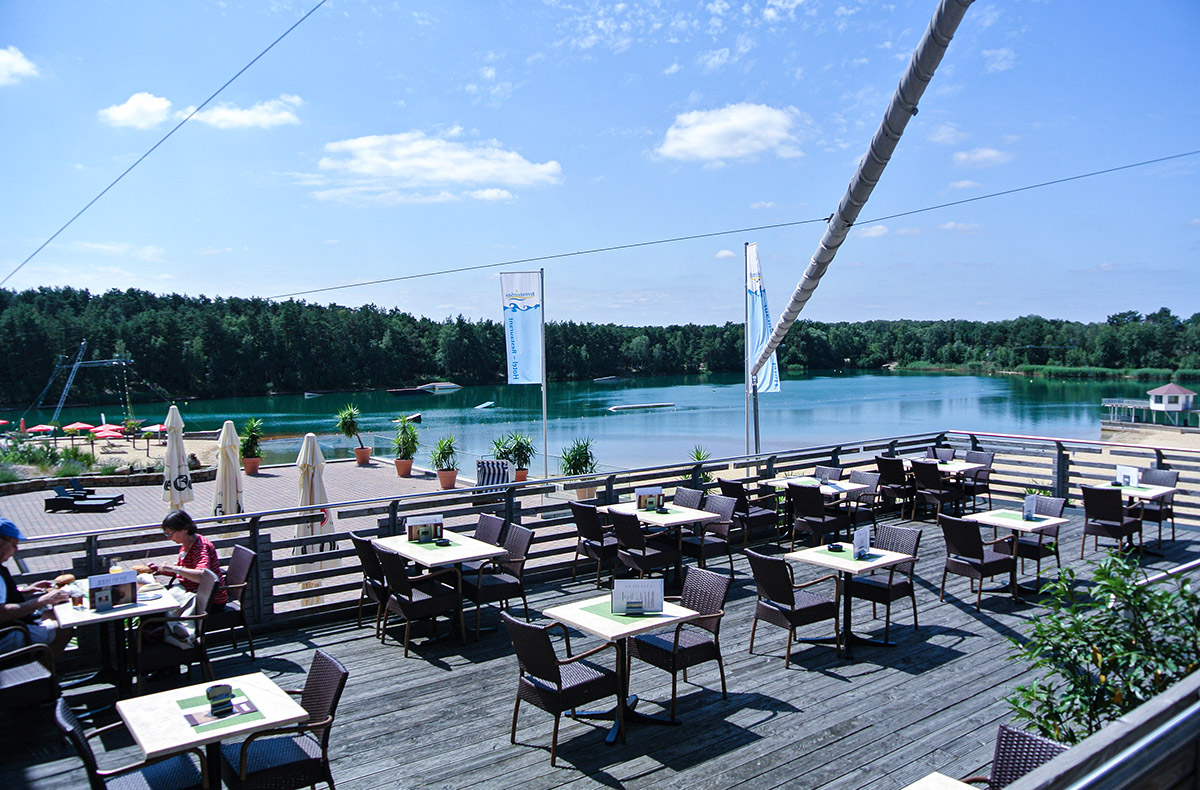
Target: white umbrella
(227,496)
(177,480)
(311,464)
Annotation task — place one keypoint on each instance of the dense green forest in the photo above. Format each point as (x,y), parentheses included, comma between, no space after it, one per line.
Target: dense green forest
(195,346)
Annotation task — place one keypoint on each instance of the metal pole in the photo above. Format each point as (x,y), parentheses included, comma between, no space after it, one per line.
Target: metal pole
(746,335)
(545,446)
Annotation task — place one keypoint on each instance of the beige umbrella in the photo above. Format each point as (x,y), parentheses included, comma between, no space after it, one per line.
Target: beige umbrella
(311,464)
(177,480)
(227,496)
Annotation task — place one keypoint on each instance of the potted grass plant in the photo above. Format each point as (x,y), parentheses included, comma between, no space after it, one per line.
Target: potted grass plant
(518,450)
(578,458)
(252,434)
(405,442)
(348,423)
(445,460)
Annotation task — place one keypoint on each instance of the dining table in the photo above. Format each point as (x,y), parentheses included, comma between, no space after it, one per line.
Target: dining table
(1146,493)
(843,562)
(594,616)
(173,721)
(460,549)
(1011,519)
(671,517)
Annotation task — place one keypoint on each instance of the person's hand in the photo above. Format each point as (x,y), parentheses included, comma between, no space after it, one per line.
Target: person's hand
(44,584)
(52,597)
(153,566)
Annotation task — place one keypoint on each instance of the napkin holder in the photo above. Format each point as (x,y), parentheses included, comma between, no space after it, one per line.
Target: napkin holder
(220,699)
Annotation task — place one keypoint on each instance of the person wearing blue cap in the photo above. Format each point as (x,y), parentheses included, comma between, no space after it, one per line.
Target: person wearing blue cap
(34,612)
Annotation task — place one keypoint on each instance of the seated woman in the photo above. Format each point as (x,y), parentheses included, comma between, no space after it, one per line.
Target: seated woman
(196,554)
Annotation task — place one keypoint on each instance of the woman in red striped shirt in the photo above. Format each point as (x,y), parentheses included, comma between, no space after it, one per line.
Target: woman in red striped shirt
(196,554)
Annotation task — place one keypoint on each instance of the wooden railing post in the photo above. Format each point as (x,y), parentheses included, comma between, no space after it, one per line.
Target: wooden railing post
(697,476)
(892,449)
(264,602)
(93,555)
(610,483)
(771,465)
(1062,466)
(255,538)
(510,509)
(835,456)
(975,445)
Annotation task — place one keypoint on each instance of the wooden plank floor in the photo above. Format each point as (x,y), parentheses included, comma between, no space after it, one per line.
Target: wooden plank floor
(440,718)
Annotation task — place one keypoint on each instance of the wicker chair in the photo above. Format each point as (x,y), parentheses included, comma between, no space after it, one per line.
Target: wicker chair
(169,772)
(967,555)
(374,585)
(502,581)
(895,483)
(810,517)
(788,605)
(828,473)
(291,757)
(237,582)
(712,540)
(749,514)
(151,653)
(636,552)
(978,482)
(692,642)
(27,673)
(688,497)
(1017,753)
(1159,509)
(422,597)
(489,529)
(932,488)
(869,498)
(1039,545)
(940,453)
(594,541)
(899,582)
(1105,517)
(554,684)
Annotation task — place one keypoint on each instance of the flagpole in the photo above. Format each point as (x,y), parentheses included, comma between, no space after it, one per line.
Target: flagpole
(746,333)
(545,446)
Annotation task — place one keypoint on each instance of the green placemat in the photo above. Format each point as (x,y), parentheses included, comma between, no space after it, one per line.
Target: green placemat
(847,554)
(1021,517)
(202,702)
(604,609)
(804,481)
(431,546)
(1136,488)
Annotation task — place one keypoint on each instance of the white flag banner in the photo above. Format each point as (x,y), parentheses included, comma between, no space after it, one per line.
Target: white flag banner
(523,326)
(758,323)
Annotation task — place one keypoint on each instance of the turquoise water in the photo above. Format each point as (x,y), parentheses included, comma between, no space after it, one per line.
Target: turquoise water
(709,411)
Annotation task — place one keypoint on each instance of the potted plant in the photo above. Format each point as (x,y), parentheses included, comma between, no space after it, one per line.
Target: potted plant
(578,459)
(347,422)
(445,460)
(252,434)
(405,443)
(518,450)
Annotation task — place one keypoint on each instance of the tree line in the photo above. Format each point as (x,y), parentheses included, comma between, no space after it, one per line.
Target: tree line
(185,346)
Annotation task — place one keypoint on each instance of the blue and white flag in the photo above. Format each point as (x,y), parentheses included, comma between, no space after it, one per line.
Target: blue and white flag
(758,324)
(523,326)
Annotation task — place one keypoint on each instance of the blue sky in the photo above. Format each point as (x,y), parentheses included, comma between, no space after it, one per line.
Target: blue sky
(392,139)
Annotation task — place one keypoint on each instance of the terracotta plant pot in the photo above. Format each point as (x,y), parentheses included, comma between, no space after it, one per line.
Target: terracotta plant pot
(447,477)
(404,467)
(521,475)
(585,493)
(251,465)
(362,455)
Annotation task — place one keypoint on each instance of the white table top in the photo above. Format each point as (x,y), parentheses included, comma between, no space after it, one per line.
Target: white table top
(461,549)
(157,721)
(611,627)
(1007,518)
(1145,492)
(675,516)
(937,781)
(844,561)
(955,467)
(834,488)
(70,617)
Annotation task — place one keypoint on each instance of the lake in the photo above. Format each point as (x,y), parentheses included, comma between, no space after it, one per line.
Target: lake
(821,408)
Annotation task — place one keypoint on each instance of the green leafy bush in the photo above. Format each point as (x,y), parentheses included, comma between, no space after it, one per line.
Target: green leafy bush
(69,469)
(79,456)
(8,474)
(32,453)
(1105,652)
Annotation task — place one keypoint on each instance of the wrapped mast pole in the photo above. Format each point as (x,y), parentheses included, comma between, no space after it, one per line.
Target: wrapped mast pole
(903,106)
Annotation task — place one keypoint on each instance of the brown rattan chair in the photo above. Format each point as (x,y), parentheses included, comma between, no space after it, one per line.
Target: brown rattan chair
(557,685)
(27,673)
(1039,545)
(933,488)
(967,554)
(869,499)
(827,473)
(749,514)
(692,642)
(169,772)
(899,581)
(895,483)
(1017,753)
(688,497)
(502,581)
(977,483)
(489,529)
(285,758)
(594,541)
(421,597)
(1105,517)
(810,517)
(153,653)
(940,453)
(636,552)
(712,539)
(788,605)
(237,582)
(374,585)
(1164,507)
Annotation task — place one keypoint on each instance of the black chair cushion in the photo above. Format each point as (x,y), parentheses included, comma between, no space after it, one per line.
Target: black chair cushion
(26,684)
(178,773)
(285,761)
(695,647)
(582,682)
(877,590)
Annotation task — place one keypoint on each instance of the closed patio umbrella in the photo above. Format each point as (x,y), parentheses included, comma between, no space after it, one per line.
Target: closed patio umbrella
(227,496)
(177,480)
(311,464)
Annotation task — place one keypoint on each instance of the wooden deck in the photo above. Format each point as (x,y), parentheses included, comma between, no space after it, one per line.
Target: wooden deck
(440,719)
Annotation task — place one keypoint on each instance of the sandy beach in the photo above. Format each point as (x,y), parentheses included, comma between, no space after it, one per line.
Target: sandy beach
(1157,437)
(121,452)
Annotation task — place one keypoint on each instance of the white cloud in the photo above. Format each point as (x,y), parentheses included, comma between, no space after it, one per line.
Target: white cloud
(763,204)
(263,115)
(1195,223)
(714,60)
(672,69)
(145,252)
(14,65)
(873,232)
(986,16)
(778,10)
(487,73)
(733,132)
(798,74)
(491,194)
(965,184)
(947,134)
(981,157)
(999,60)
(725,254)
(141,111)
(959,227)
